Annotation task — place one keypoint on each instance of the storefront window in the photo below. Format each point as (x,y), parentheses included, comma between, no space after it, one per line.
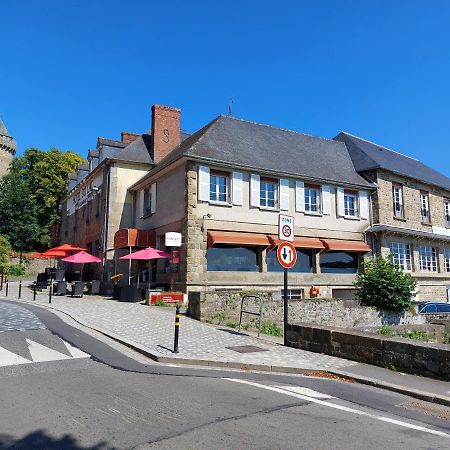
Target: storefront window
(303,264)
(230,258)
(339,262)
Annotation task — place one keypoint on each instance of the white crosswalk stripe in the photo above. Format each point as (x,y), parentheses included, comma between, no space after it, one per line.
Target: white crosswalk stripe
(39,353)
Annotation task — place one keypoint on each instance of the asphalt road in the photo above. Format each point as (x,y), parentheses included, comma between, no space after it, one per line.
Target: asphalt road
(71,388)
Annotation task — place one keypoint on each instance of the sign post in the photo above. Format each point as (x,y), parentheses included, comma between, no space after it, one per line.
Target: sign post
(287,257)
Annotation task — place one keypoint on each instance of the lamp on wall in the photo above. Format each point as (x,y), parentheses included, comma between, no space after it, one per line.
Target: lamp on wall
(205,216)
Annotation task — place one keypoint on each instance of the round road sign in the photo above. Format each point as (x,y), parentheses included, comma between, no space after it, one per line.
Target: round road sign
(287,255)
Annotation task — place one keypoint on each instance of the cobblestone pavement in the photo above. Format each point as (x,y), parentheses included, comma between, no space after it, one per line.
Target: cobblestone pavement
(151,329)
(16,318)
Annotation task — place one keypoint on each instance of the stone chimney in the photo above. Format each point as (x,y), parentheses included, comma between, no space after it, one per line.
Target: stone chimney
(128,138)
(165,131)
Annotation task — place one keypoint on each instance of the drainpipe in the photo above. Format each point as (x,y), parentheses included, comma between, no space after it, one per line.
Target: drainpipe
(106,219)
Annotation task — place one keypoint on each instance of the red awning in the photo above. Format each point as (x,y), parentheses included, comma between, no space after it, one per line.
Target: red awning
(131,237)
(235,237)
(300,242)
(346,246)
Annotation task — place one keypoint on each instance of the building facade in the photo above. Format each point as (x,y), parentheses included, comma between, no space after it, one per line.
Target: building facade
(223,189)
(7,149)
(410,214)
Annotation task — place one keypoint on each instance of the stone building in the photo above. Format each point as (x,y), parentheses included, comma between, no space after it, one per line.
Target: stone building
(7,149)
(223,189)
(410,214)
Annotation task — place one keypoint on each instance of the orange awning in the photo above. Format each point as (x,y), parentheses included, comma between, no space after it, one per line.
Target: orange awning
(300,242)
(346,246)
(131,237)
(235,237)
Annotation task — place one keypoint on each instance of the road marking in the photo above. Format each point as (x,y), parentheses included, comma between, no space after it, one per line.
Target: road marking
(40,353)
(75,352)
(286,391)
(8,358)
(305,391)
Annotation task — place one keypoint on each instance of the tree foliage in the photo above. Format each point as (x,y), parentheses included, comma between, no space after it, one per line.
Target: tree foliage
(384,285)
(31,193)
(5,249)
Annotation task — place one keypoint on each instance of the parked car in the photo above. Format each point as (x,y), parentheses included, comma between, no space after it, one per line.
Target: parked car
(434,308)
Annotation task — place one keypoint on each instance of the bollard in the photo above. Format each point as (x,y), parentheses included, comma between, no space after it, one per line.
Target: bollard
(7,287)
(20,288)
(177,329)
(50,293)
(34,291)
(1,281)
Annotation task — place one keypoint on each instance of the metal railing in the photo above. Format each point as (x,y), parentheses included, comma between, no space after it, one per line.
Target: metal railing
(253,313)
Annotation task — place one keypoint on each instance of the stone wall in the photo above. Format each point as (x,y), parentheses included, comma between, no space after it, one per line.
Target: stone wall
(224,306)
(425,359)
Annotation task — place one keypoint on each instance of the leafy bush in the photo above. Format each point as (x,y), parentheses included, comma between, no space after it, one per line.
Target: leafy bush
(384,285)
(271,328)
(386,330)
(17,270)
(232,324)
(5,249)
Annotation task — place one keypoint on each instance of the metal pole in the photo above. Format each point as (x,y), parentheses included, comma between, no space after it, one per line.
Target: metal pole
(285,322)
(20,288)
(34,291)
(1,281)
(50,292)
(177,329)
(129,268)
(7,287)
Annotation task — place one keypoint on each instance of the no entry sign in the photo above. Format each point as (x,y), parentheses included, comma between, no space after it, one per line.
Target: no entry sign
(286,228)
(287,255)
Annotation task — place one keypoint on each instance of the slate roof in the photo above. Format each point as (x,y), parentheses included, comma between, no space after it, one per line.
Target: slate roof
(248,145)
(110,142)
(368,156)
(137,151)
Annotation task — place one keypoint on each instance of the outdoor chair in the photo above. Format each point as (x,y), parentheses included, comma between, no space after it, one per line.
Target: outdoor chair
(59,275)
(95,287)
(61,288)
(77,289)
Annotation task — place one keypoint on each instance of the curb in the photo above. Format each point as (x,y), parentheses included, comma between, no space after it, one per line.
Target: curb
(421,395)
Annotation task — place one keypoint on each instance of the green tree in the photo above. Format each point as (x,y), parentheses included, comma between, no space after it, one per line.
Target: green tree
(384,285)
(5,249)
(44,175)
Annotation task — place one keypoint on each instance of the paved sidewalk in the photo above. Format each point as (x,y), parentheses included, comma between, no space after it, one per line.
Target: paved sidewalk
(150,330)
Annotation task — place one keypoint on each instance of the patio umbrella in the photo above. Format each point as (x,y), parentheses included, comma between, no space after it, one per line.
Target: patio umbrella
(82,258)
(147,254)
(67,248)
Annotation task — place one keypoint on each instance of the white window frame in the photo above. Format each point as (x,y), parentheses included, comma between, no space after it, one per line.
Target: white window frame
(265,198)
(397,198)
(215,194)
(425,207)
(401,255)
(347,195)
(428,259)
(447,259)
(447,212)
(318,199)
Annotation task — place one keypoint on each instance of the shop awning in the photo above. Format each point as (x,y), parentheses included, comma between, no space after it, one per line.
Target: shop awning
(235,237)
(345,246)
(300,242)
(132,237)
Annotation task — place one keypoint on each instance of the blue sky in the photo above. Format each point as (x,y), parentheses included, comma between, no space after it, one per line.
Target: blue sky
(75,70)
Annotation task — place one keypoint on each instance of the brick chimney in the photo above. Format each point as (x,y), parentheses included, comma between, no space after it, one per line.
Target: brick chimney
(128,138)
(165,130)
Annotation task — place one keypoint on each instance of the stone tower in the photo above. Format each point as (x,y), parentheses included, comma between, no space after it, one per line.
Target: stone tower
(7,149)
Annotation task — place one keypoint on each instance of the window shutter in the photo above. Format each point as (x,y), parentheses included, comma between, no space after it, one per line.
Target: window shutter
(300,196)
(254,190)
(326,199)
(153,198)
(284,194)
(340,201)
(203,183)
(140,205)
(363,205)
(236,185)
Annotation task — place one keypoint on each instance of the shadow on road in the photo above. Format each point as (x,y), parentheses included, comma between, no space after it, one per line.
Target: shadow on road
(39,440)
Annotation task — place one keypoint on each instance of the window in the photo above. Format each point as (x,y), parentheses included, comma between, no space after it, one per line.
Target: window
(312,198)
(401,255)
(303,264)
(350,203)
(268,192)
(219,186)
(88,211)
(447,212)
(97,205)
(447,259)
(147,203)
(234,258)
(294,294)
(397,197)
(427,259)
(339,262)
(425,207)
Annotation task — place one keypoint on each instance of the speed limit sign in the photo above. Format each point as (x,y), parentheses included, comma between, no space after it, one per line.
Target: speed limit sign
(286,228)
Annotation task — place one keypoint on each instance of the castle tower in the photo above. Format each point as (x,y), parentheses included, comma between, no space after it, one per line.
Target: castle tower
(7,149)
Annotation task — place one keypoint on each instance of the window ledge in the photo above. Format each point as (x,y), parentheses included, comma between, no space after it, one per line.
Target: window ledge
(216,203)
(269,208)
(313,213)
(401,219)
(351,217)
(146,216)
(427,224)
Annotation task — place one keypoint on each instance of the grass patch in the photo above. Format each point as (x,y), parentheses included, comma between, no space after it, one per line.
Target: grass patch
(271,328)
